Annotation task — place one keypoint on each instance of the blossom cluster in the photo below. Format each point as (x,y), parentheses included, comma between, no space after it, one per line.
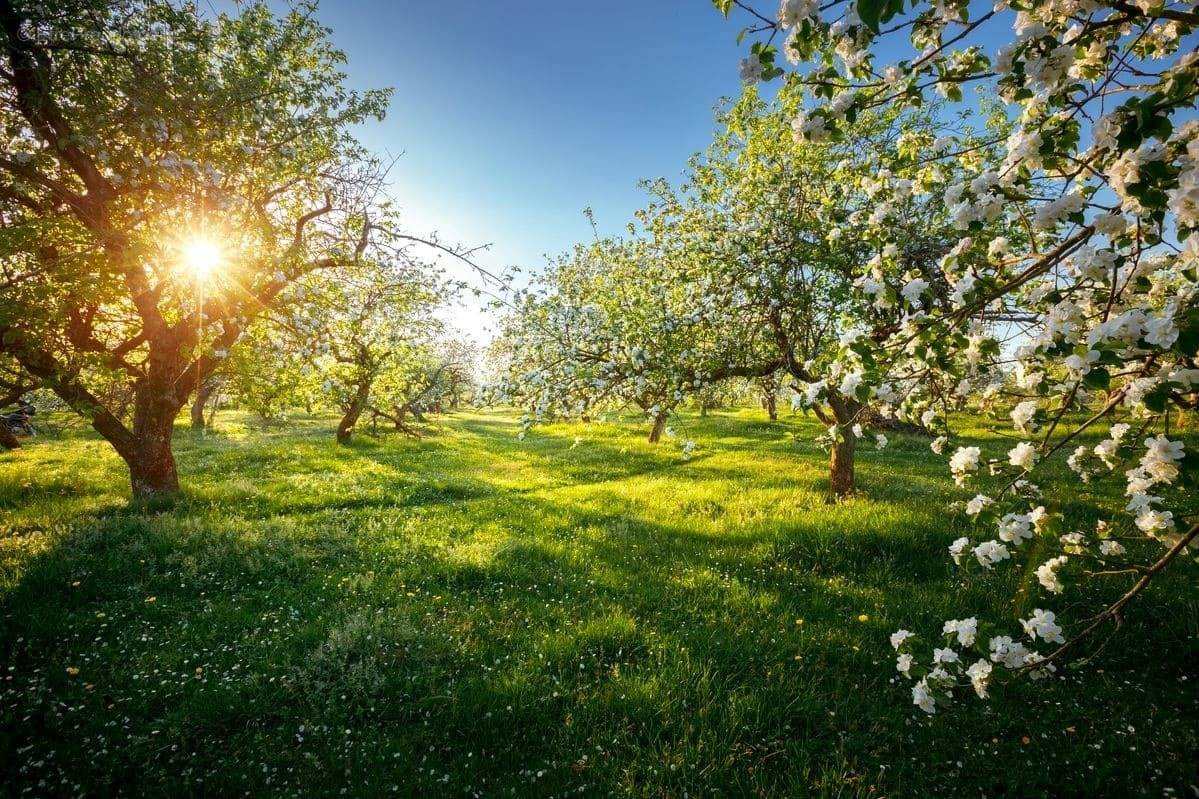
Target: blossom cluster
(1077,245)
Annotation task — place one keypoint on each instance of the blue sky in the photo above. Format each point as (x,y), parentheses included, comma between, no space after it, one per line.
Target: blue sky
(512,117)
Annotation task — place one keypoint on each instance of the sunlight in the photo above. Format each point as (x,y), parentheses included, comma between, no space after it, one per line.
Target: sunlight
(202,257)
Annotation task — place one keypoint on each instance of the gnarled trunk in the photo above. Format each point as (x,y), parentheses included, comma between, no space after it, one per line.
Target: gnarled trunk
(158,396)
(772,406)
(655,432)
(150,459)
(203,394)
(345,428)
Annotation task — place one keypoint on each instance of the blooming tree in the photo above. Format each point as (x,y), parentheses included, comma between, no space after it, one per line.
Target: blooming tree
(750,268)
(165,176)
(1100,177)
(769,229)
(439,372)
(611,325)
(361,329)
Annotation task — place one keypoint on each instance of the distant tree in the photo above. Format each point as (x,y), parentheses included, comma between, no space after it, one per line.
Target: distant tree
(362,328)
(611,326)
(270,374)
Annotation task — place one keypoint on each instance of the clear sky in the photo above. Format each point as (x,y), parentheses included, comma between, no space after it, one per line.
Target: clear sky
(512,117)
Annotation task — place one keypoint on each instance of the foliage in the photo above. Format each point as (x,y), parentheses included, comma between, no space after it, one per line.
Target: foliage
(1101,173)
(752,267)
(135,133)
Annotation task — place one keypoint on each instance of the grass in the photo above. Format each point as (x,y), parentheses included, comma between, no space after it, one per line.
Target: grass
(474,615)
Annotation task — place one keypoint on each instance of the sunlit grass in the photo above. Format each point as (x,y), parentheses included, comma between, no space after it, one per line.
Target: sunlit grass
(470,613)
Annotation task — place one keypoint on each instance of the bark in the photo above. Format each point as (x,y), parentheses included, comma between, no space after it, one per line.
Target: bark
(150,459)
(415,410)
(772,407)
(841,456)
(213,407)
(345,427)
(840,465)
(397,419)
(146,449)
(7,439)
(203,394)
(655,433)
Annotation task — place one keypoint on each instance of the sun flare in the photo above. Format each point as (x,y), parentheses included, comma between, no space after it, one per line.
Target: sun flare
(202,257)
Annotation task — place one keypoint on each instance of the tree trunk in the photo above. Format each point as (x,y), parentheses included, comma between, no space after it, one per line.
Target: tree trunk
(213,407)
(203,394)
(840,465)
(7,439)
(772,407)
(146,449)
(655,433)
(345,428)
(416,412)
(840,462)
(151,461)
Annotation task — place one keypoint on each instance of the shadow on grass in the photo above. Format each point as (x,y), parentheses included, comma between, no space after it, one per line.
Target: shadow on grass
(489,616)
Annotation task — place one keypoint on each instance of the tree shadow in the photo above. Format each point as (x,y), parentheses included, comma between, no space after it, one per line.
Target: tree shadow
(441,618)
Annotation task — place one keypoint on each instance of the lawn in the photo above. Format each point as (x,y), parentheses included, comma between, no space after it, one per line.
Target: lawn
(576,613)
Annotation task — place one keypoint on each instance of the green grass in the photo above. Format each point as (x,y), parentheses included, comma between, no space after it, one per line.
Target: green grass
(474,615)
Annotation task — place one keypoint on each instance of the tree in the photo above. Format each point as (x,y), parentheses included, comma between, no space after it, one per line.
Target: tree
(270,373)
(748,269)
(1101,173)
(166,177)
(439,373)
(767,229)
(206,391)
(613,325)
(359,327)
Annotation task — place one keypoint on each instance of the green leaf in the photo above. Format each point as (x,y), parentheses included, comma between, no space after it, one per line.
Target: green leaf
(1156,400)
(871,12)
(1098,378)
(723,6)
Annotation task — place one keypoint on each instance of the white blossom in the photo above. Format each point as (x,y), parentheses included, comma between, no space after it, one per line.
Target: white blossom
(1047,573)
(1043,625)
(1023,456)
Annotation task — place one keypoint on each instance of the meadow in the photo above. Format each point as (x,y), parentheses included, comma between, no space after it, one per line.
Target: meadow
(577,613)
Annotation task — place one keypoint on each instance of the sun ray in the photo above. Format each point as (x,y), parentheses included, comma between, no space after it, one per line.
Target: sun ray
(202,257)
